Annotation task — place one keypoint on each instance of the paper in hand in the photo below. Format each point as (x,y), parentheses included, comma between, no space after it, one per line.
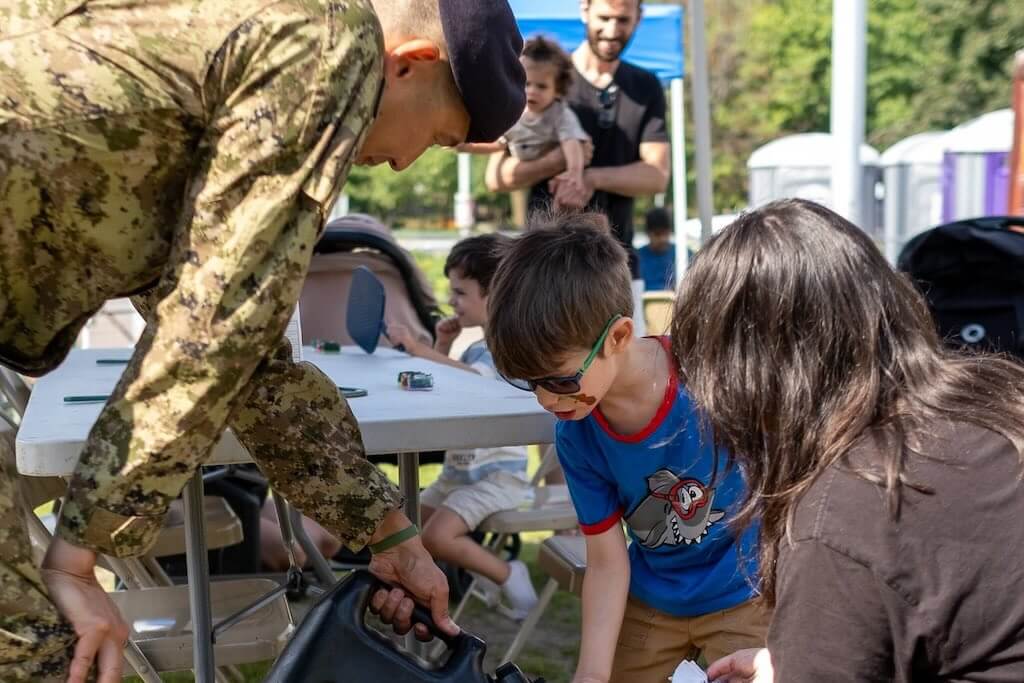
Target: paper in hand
(689,672)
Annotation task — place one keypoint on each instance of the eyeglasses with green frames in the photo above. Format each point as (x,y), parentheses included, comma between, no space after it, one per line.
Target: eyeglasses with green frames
(571,383)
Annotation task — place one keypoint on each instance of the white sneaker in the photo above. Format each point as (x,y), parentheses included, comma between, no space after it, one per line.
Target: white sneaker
(519,591)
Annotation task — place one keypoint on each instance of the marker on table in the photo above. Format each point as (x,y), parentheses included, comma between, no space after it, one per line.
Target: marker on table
(86,399)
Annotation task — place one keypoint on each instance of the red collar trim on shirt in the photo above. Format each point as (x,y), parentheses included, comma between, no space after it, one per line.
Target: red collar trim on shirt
(663,410)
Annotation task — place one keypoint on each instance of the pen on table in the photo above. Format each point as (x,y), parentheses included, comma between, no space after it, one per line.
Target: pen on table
(111,361)
(86,399)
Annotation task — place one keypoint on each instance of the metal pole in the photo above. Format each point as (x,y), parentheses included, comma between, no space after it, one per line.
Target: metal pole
(464,195)
(409,482)
(701,117)
(679,198)
(198,580)
(849,74)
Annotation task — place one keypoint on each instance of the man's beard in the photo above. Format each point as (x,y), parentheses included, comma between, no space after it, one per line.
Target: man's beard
(616,52)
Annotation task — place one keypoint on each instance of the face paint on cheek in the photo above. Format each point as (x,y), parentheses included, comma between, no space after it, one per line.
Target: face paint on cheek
(584,399)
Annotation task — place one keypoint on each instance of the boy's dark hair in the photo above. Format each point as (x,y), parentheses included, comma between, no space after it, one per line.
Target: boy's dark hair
(555,292)
(477,258)
(657,220)
(544,51)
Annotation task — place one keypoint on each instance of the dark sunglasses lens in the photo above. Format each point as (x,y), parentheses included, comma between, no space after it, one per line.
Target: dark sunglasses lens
(561,386)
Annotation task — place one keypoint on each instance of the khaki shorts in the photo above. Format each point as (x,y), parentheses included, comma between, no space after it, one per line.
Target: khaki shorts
(475,502)
(652,643)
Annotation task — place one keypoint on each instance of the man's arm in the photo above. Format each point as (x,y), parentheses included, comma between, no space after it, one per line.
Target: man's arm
(270,162)
(641,178)
(605,588)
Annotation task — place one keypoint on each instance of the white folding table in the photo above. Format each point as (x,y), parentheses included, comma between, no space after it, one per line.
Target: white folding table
(464,410)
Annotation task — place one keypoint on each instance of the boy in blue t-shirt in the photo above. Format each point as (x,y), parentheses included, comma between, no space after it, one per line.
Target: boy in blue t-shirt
(630,442)
(657,258)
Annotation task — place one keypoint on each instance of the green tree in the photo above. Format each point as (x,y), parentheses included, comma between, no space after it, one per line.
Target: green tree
(423,193)
(970,48)
(931,65)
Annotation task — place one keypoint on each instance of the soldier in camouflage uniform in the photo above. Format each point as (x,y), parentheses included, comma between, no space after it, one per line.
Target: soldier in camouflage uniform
(187,152)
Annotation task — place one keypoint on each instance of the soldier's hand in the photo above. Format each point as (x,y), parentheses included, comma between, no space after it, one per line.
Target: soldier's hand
(68,572)
(410,568)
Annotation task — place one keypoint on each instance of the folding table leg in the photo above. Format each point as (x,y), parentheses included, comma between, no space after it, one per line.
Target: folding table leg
(409,482)
(526,629)
(198,580)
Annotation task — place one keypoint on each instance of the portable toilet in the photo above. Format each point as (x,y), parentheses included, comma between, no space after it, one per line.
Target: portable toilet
(912,170)
(801,166)
(976,167)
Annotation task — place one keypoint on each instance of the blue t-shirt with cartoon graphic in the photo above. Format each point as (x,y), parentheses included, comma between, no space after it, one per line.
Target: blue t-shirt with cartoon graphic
(676,502)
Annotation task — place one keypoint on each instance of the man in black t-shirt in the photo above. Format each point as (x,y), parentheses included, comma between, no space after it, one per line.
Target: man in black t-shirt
(622,108)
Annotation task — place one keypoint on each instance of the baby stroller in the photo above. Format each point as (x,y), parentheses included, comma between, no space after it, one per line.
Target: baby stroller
(359,240)
(972,274)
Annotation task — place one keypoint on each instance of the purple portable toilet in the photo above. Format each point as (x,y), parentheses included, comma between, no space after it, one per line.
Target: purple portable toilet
(976,167)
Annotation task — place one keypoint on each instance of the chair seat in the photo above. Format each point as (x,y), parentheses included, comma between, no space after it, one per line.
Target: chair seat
(223,527)
(564,559)
(551,510)
(160,623)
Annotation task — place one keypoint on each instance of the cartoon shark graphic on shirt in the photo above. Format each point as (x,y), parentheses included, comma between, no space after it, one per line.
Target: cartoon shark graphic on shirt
(676,512)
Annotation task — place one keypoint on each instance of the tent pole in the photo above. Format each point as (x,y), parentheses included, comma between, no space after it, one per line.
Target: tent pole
(679,174)
(701,117)
(849,73)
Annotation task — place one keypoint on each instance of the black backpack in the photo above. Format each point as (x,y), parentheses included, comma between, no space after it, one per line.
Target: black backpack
(972,274)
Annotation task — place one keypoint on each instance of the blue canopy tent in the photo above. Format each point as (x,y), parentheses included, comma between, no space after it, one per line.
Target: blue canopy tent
(656,46)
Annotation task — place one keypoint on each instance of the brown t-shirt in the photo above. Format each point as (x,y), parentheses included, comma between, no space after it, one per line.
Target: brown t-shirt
(936,595)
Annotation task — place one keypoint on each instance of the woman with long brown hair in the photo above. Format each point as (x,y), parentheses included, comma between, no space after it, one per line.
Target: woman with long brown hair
(886,470)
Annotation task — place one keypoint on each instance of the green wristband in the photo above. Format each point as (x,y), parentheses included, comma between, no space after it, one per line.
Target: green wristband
(394,539)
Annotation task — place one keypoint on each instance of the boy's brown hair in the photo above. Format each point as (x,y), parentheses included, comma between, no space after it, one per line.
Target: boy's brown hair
(554,293)
(543,51)
(477,258)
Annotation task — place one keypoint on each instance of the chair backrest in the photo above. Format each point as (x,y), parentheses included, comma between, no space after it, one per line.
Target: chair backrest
(548,462)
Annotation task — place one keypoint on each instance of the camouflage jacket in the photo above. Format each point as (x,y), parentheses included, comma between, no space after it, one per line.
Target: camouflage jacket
(188,149)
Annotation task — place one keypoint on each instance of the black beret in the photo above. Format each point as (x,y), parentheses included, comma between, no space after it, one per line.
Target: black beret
(484,47)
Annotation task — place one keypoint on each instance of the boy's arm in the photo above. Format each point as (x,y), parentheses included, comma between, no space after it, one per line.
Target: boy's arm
(400,334)
(605,588)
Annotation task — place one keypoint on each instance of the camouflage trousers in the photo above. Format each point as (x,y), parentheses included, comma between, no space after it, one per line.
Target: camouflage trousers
(36,643)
